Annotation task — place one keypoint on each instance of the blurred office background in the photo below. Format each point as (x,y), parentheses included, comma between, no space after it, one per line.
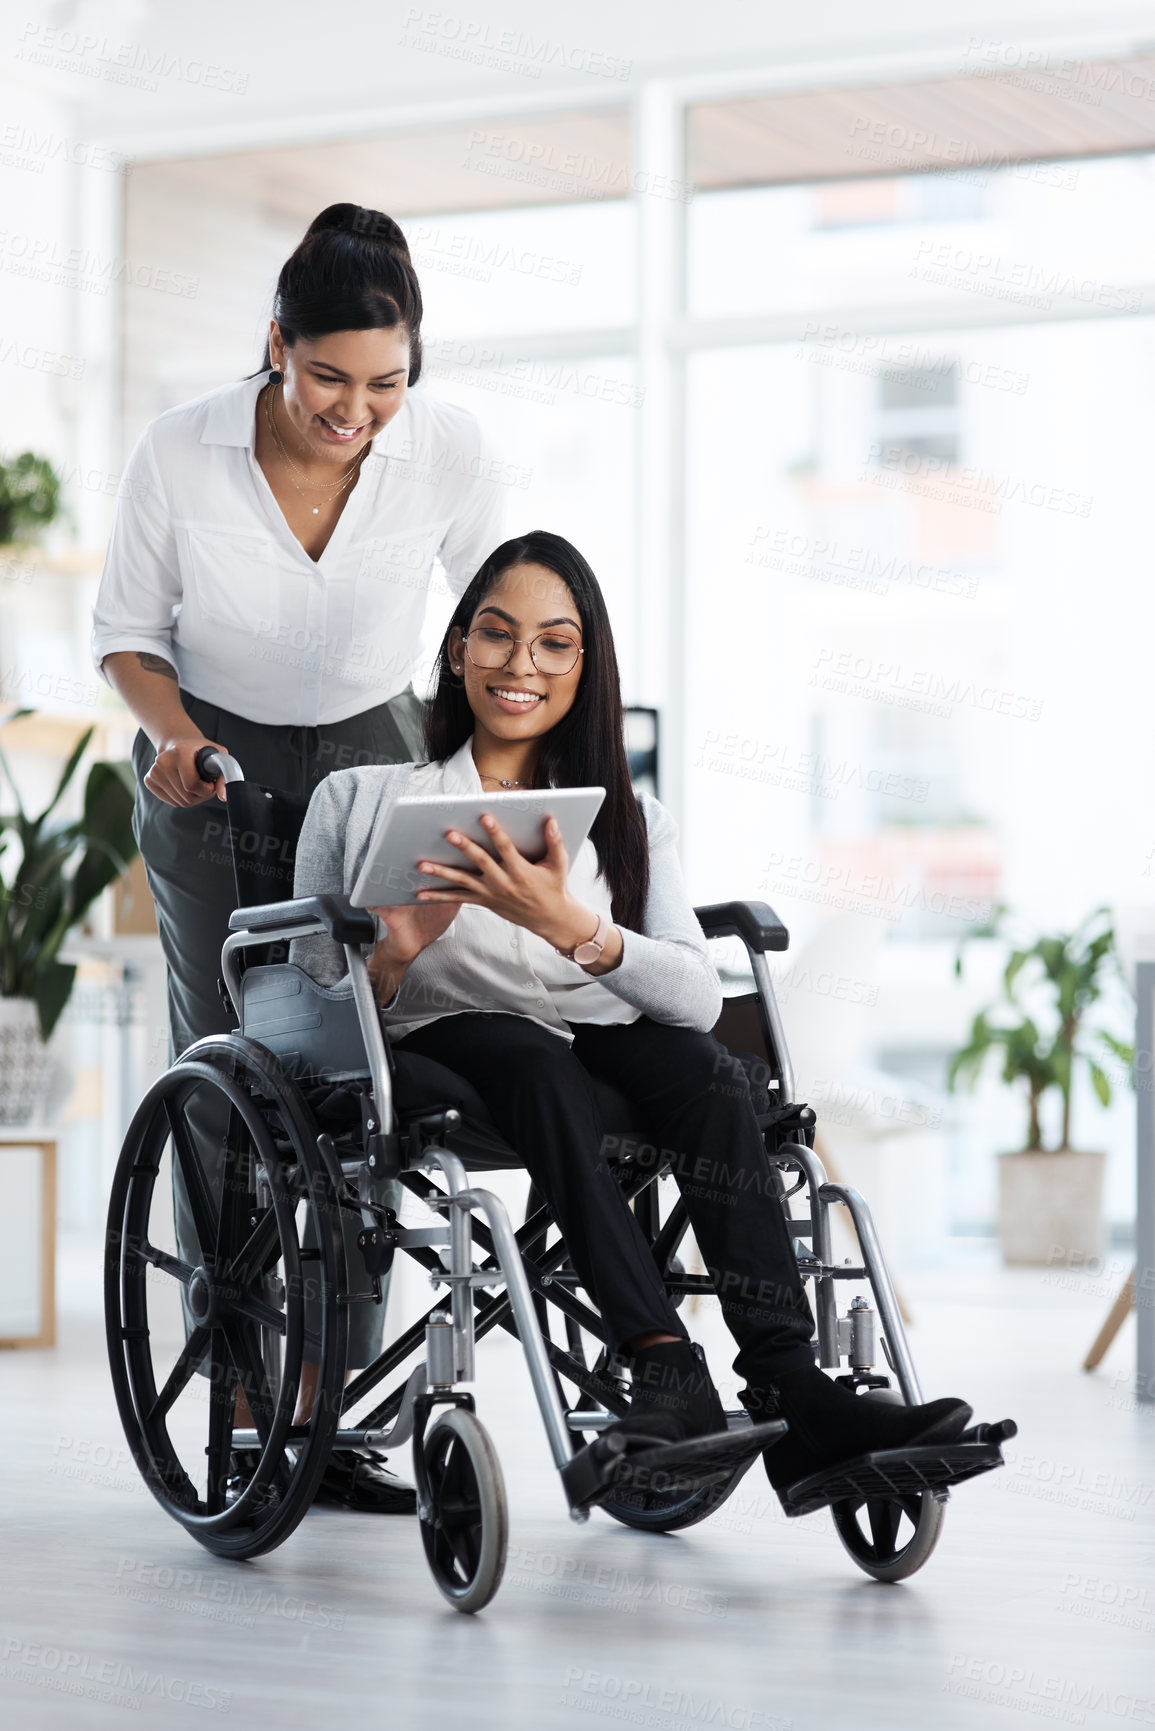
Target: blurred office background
(835,358)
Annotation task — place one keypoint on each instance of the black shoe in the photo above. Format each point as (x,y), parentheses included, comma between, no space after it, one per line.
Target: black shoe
(830,1424)
(674,1438)
(359,1479)
(671,1395)
(243,1463)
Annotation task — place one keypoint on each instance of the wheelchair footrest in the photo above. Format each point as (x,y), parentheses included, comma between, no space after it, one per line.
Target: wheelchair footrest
(899,1473)
(609,1464)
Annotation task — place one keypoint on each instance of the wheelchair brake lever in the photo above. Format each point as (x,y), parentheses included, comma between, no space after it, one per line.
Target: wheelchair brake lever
(1001,1431)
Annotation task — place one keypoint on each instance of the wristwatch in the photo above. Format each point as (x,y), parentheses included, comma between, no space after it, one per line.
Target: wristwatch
(591,948)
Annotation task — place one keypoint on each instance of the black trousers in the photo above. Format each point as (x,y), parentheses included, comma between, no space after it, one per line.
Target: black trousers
(695,1100)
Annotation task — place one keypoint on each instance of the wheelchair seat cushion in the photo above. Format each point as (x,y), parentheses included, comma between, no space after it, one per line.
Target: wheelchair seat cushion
(314,1030)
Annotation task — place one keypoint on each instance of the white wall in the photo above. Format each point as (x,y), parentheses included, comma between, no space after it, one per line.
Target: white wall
(41,370)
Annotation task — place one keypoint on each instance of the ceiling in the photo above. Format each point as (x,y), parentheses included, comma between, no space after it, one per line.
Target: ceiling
(495,164)
(1052,110)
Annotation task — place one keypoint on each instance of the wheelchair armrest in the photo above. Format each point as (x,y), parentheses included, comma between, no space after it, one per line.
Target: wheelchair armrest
(755,923)
(344,923)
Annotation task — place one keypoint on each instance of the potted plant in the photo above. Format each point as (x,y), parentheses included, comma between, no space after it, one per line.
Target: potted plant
(29,497)
(1050,1199)
(63,865)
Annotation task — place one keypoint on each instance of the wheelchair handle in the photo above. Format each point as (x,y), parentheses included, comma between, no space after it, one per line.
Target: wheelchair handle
(211,764)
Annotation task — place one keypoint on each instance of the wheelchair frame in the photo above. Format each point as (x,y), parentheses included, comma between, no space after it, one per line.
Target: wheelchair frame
(499,1276)
(761,930)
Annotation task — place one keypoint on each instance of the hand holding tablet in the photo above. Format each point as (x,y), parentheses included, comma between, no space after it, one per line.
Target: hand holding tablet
(414,828)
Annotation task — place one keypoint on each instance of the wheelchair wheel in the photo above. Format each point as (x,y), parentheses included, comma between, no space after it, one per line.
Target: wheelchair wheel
(890,1537)
(244,1299)
(655,1512)
(466,1529)
(670,1511)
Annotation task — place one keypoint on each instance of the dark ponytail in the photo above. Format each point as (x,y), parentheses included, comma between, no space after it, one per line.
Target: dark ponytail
(351,272)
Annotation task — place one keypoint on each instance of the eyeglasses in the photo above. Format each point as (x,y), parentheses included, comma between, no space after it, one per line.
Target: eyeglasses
(551,652)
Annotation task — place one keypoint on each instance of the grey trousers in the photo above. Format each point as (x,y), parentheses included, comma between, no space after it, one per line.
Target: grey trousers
(190,874)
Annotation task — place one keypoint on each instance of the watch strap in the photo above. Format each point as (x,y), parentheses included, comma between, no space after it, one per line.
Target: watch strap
(596,944)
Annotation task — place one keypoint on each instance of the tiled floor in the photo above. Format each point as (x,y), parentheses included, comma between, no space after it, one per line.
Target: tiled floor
(1038,1605)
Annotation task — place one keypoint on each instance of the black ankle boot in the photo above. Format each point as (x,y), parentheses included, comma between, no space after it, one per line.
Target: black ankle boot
(830,1424)
(672,1396)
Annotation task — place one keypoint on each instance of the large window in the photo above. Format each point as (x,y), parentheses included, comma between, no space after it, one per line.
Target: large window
(1038,238)
(911,571)
(567,432)
(524,272)
(915,679)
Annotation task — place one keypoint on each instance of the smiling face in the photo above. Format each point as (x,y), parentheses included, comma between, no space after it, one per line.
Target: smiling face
(518,702)
(341,389)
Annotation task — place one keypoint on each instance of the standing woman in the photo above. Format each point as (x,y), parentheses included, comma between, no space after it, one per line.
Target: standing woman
(265,588)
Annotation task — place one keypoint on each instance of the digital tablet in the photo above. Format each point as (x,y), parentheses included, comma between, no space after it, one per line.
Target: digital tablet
(413,828)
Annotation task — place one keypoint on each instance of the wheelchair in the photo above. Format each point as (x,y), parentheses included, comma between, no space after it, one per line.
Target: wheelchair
(319,1112)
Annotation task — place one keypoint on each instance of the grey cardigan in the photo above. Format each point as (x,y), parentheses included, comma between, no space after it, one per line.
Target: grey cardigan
(665,970)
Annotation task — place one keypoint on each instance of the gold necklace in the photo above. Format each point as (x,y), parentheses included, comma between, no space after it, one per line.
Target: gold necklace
(327,486)
(333,488)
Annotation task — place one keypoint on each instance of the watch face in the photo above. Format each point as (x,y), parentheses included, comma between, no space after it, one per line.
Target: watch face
(587,952)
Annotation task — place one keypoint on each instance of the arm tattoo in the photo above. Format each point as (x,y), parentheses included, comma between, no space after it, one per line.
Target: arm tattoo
(156,664)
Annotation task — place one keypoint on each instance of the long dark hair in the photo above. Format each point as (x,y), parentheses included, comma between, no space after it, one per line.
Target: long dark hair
(587,747)
(351,272)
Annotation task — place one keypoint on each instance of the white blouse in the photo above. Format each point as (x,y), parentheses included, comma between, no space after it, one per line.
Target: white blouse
(203,569)
(484,962)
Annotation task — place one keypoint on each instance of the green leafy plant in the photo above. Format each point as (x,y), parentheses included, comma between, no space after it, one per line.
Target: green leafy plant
(63,866)
(29,496)
(1073,968)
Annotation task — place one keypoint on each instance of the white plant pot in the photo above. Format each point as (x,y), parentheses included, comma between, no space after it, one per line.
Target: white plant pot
(25,1064)
(1051,1208)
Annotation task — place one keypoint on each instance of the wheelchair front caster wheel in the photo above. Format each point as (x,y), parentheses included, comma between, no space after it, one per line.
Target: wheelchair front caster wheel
(465,1530)
(890,1537)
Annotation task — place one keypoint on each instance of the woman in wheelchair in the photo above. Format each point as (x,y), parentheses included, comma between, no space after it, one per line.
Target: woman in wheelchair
(530,980)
